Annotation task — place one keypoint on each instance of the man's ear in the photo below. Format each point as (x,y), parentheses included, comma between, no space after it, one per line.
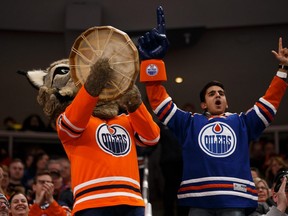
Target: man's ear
(203,105)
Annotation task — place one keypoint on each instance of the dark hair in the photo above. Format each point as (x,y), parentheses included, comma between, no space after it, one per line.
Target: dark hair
(278,178)
(16,160)
(29,125)
(209,84)
(41,173)
(16,193)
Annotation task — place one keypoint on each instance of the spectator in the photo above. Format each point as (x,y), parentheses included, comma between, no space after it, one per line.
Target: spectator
(34,123)
(11,124)
(16,173)
(59,168)
(275,164)
(61,165)
(4,205)
(19,205)
(255,172)
(44,203)
(277,203)
(39,164)
(280,194)
(62,193)
(66,171)
(216,176)
(4,180)
(262,189)
(54,164)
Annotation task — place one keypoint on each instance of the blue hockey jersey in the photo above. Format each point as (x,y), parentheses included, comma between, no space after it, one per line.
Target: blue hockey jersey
(216,167)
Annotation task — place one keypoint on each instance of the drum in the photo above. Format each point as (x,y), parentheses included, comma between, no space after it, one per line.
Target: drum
(105,42)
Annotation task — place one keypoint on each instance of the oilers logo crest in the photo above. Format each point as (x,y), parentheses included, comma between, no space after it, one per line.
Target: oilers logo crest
(217,139)
(152,70)
(113,140)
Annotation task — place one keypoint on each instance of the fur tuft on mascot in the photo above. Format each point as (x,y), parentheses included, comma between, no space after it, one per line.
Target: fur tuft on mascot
(99,131)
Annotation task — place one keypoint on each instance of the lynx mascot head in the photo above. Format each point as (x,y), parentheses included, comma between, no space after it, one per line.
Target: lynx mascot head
(57,89)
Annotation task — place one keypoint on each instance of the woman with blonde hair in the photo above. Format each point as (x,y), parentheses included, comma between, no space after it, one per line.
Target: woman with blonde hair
(263,195)
(262,188)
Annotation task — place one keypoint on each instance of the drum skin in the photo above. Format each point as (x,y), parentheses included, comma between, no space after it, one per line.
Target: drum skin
(105,42)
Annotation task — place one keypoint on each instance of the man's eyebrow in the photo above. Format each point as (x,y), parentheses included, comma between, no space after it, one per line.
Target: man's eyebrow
(213,91)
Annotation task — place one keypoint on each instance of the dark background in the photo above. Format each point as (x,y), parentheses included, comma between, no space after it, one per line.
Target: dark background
(227,40)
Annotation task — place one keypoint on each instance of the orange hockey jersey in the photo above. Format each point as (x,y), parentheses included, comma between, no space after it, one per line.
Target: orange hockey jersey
(104,169)
(53,209)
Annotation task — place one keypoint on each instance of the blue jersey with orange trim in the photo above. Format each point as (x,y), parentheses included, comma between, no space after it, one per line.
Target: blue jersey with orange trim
(216,167)
(104,169)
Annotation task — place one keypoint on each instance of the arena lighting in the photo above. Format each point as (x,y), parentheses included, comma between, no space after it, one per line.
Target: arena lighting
(178,80)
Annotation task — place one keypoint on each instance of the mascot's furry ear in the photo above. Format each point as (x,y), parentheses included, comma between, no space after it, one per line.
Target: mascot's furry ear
(55,85)
(35,77)
(57,75)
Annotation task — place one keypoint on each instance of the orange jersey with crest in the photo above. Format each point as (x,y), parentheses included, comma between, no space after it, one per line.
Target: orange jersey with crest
(104,169)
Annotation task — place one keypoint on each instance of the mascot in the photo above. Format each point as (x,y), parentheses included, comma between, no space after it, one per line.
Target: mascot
(100,117)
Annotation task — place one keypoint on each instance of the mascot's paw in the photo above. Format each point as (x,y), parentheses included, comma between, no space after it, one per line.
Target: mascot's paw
(99,76)
(106,110)
(131,100)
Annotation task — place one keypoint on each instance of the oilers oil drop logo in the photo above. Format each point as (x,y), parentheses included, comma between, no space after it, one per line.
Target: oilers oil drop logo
(217,139)
(113,140)
(152,70)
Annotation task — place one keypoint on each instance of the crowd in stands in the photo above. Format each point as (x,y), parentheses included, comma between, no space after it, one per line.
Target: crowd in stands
(45,184)
(269,170)
(39,182)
